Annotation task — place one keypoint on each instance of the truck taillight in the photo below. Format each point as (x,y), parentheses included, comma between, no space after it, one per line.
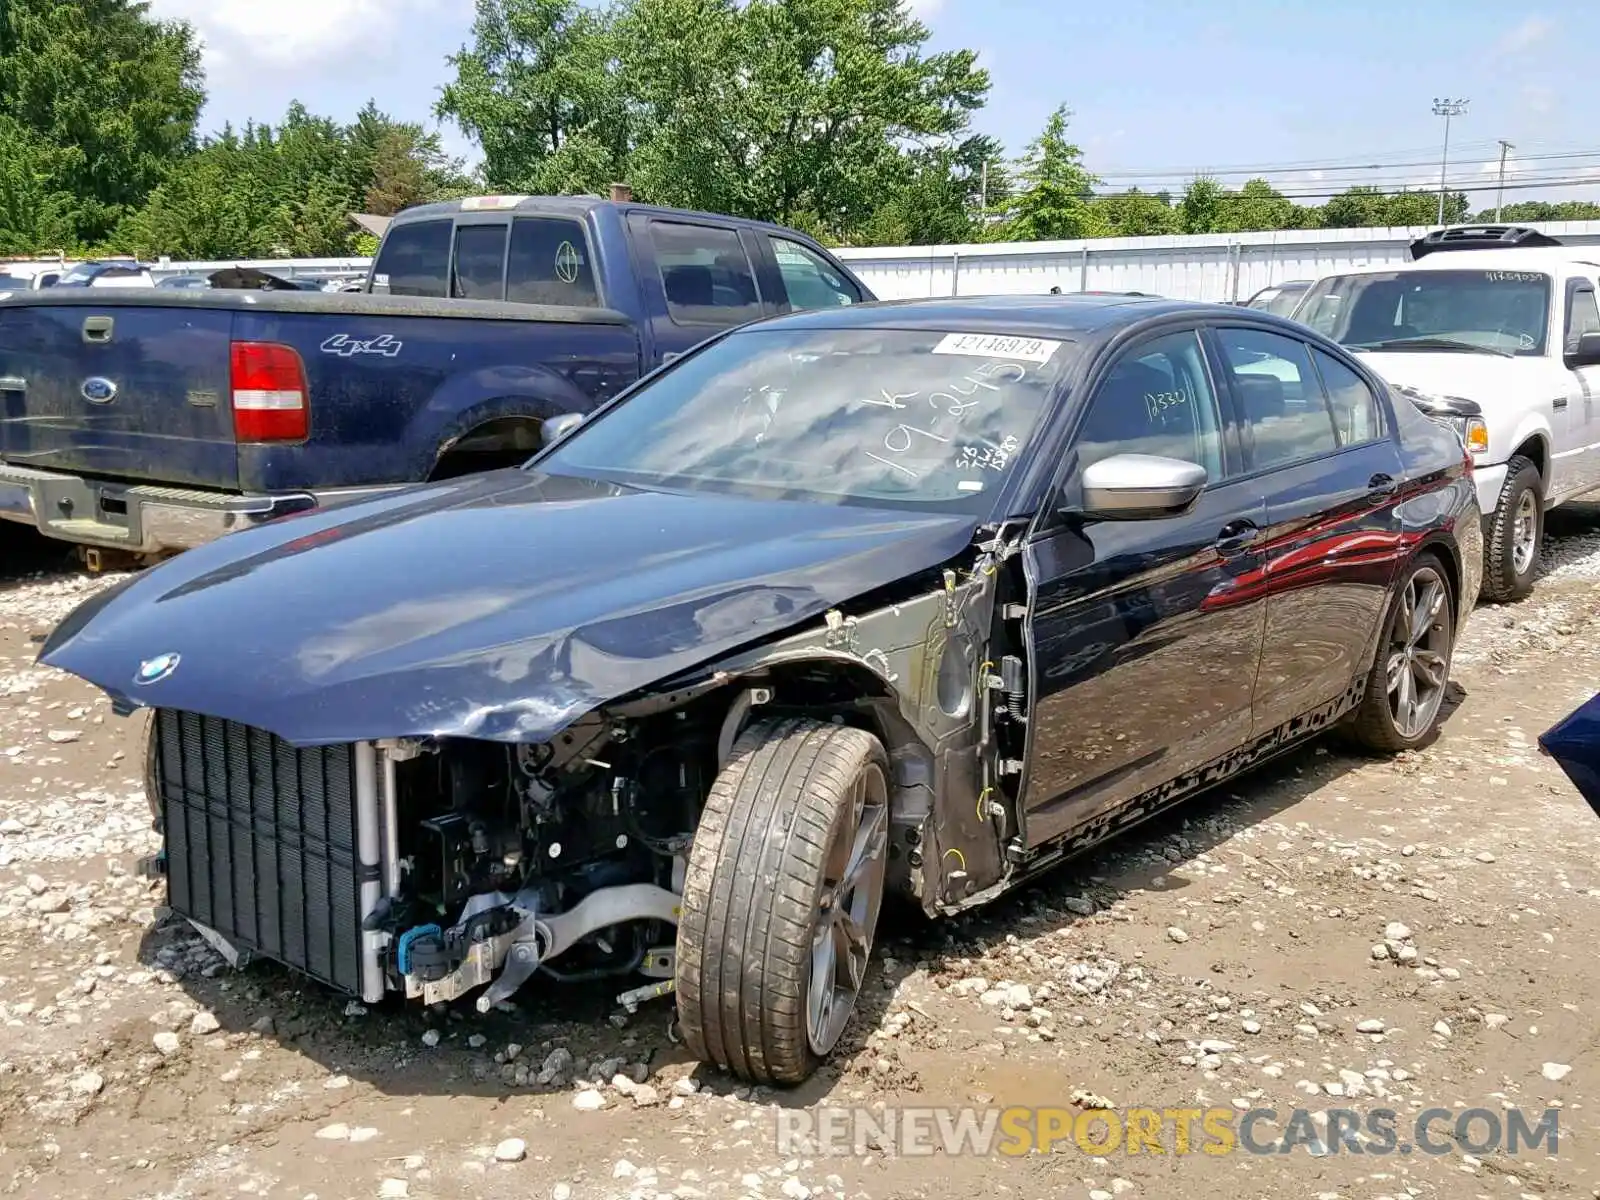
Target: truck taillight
(269,394)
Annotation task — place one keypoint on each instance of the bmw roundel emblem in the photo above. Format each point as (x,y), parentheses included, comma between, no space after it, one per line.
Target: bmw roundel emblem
(154,670)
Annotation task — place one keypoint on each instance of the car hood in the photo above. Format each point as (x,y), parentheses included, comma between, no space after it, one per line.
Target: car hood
(501,606)
(1483,378)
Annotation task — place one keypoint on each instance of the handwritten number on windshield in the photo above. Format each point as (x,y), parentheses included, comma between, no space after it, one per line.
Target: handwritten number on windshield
(905,432)
(955,400)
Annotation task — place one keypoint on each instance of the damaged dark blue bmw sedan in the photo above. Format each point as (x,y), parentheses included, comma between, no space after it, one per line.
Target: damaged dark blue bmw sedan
(895,600)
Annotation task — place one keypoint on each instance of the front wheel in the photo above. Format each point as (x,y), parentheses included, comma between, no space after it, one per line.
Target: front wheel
(1406,687)
(781,898)
(1516,529)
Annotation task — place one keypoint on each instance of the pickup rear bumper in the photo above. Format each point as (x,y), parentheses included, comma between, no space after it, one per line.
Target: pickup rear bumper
(144,518)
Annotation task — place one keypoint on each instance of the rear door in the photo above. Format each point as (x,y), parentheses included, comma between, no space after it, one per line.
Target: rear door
(1319,446)
(697,279)
(119,391)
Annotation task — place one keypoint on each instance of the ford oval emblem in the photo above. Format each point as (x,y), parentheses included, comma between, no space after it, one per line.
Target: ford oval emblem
(98,390)
(154,670)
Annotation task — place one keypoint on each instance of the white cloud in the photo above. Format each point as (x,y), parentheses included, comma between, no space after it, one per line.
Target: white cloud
(288,33)
(1525,36)
(924,9)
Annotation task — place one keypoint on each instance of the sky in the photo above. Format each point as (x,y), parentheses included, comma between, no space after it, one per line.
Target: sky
(1316,97)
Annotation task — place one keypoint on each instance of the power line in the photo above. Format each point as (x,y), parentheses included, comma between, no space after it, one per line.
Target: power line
(1575,181)
(1328,166)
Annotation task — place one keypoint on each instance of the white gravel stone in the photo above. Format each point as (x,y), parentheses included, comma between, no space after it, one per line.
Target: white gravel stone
(430,1038)
(88,1083)
(511,1150)
(1554,1072)
(337,1132)
(1370,1025)
(1395,931)
(1177,935)
(204,1023)
(394,1189)
(167,1042)
(588,1100)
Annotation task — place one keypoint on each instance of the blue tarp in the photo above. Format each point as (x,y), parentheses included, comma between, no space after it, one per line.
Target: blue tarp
(1574,742)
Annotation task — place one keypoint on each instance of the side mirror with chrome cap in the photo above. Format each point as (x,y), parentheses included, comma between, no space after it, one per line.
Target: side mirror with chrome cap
(560,426)
(1137,487)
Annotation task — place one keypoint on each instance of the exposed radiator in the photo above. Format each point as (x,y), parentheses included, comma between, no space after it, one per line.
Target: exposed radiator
(262,842)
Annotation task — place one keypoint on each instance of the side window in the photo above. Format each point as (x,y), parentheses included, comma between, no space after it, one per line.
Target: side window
(705,273)
(479,269)
(1158,400)
(1285,413)
(1357,416)
(810,280)
(549,263)
(416,259)
(1583,315)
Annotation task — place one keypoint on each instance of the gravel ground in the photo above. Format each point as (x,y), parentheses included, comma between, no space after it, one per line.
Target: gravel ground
(1332,932)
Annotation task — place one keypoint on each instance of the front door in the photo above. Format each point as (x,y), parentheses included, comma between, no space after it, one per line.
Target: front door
(1317,443)
(1582,315)
(1144,648)
(697,280)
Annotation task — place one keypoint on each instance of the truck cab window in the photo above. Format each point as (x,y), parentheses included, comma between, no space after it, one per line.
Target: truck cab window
(705,274)
(809,279)
(1583,315)
(479,269)
(416,258)
(550,263)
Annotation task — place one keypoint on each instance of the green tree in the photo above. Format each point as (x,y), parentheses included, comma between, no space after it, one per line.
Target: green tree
(1136,214)
(1202,207)
(1056,190)
(116,90)
(538,91)
(34,214)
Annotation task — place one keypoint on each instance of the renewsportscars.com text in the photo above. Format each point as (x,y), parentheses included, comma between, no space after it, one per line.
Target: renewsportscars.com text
(841,1131)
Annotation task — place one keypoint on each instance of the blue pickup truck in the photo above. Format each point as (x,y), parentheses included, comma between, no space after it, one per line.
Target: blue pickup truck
(151,421)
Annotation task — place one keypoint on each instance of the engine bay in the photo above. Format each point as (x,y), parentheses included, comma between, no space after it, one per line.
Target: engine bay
(515,855)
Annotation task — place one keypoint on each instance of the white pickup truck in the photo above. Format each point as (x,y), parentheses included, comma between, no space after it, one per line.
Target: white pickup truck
(1499,337)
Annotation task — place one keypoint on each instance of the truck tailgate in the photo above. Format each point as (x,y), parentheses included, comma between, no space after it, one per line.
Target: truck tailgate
(119,391)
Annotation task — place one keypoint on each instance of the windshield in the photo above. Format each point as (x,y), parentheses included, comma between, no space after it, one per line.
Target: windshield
(919,418)
(1279,301)
(1502,311)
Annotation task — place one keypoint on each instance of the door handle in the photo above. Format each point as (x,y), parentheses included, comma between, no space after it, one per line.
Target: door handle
(1236,535)
(1382,484)
(98,329)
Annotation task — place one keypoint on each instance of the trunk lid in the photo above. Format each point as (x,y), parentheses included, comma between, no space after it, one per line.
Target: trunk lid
(135,392)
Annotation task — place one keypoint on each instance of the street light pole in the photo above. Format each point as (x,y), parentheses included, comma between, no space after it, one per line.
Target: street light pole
(1446,109)
(1500,191)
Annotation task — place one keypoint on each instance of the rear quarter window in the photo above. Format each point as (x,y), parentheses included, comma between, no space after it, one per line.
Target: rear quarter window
(550,263)
(416,259)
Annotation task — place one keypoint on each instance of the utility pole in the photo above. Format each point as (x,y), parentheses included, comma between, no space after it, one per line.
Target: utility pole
(1500,191)
(983,188)
(1446,109)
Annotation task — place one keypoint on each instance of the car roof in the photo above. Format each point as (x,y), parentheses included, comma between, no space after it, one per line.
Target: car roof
(576,207)
(1533,258)
(1023,316)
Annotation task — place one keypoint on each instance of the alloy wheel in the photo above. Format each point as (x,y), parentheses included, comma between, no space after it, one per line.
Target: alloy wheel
(1418,662)
(852,894)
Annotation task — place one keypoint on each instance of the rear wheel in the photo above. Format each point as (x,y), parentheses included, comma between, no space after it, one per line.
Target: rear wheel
(781,898)
(1516,529)
(1406,688)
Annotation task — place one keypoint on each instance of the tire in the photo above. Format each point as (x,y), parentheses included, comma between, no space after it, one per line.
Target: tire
(796,796)
(144,737)
(1508,565)
(1377,723)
